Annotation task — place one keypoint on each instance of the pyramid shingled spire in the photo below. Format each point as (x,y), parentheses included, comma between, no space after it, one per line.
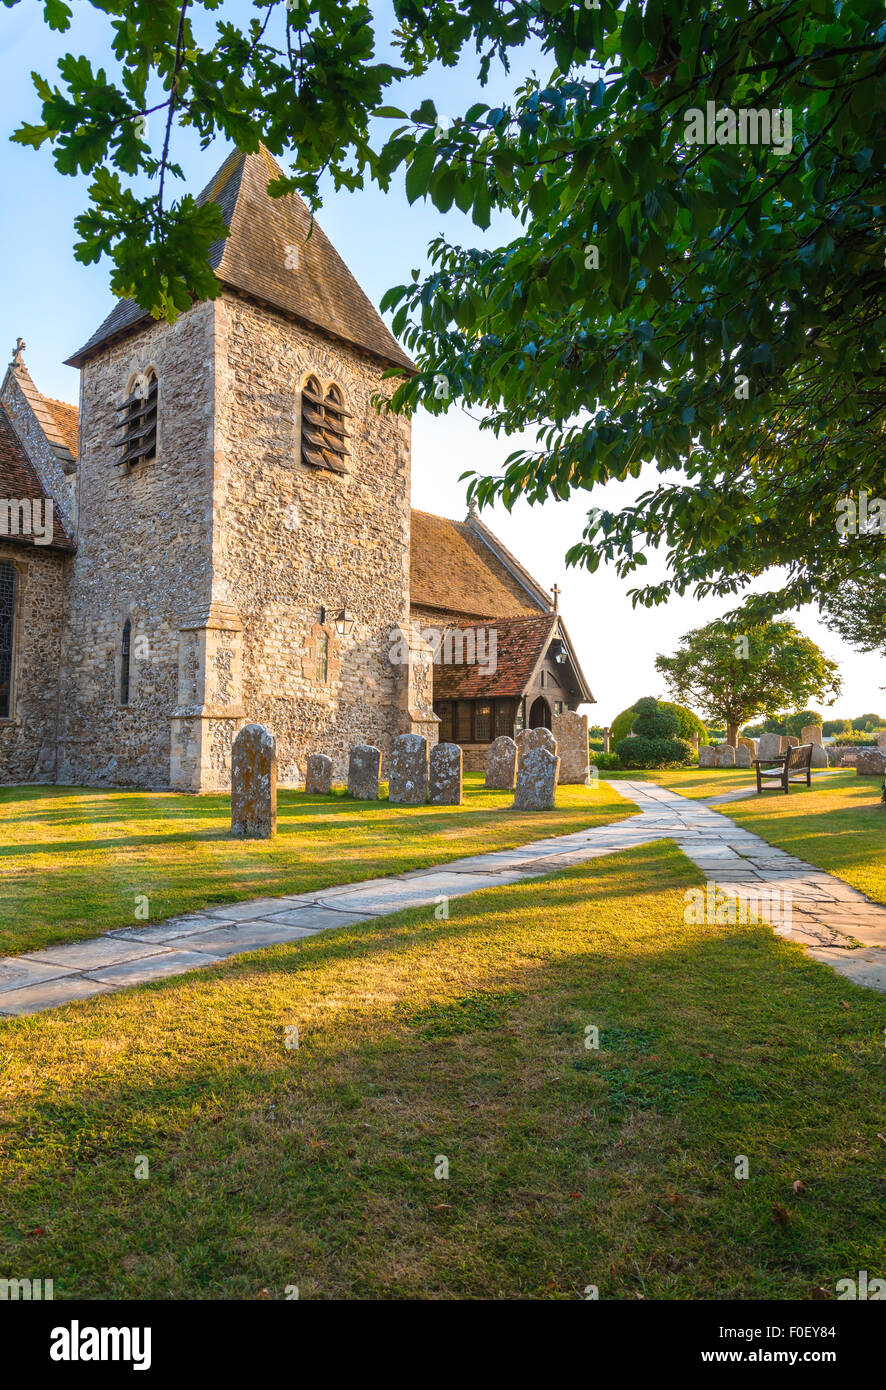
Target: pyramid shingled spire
(273,254)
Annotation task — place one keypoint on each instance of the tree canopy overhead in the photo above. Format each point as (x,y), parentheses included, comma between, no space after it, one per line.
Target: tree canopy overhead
(712,308)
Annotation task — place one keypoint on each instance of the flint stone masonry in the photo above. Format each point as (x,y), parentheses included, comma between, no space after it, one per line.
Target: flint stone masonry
(364,770)
(444,780)
(725,755)
(501,764)
(870,762)
(318,774)
(254,784)
(571,740)
(536,780)
(768,746)
(707,756)
(408,773)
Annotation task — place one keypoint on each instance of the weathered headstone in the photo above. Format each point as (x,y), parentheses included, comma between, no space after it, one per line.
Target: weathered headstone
(707,756)
(535,738)
(364,770)
(501,764)
(606,734)
(812,734)
(694,740)
(408,770)
(254,784)
(444,775)
(536,780)
(789,741)
(750,744)
(742,756)
(725,755)
(318,774)
(768,746)
(870,762)
(571,737)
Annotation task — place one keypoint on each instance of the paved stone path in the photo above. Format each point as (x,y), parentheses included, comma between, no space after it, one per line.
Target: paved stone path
(828,916)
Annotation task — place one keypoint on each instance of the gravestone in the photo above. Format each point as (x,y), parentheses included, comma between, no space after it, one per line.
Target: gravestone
(812,734)
(444,775)
(881,740)
(318,774)
(364,770)
(535,738)
(750,744)
(536,780)
(768,746)
(571,737)
(606,734)
(254,784)
(870,762)
(408,770)
(707,756)
(694,740)
(743,756)
(501,764)
(789,741)
(725,755)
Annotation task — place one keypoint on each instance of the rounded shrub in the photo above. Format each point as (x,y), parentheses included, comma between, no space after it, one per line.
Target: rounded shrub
(653,721)
(652,752)
(687,722)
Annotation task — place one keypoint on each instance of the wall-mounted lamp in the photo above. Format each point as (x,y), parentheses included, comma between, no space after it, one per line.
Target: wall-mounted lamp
(344,621)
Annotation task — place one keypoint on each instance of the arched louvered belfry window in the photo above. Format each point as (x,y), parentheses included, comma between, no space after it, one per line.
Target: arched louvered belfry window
(124,662)
(137,421)
(324,430)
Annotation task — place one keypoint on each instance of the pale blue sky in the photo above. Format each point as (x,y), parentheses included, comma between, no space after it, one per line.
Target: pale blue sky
(55,303)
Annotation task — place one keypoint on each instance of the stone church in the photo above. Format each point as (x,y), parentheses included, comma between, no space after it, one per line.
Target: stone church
(222,534)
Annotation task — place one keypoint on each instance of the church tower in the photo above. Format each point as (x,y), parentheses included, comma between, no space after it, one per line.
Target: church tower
(244,523)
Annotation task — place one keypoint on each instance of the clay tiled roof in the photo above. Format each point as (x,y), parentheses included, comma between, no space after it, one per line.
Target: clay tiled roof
(257,259)
(520,642)
(18,480)
(57,419)
(454,570)
(65,417)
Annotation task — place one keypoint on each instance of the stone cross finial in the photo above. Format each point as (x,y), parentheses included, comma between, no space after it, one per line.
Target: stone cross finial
(472,509)
(17,351)
(556,591)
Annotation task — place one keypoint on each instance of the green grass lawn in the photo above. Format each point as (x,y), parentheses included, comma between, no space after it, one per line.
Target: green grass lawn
(73,860)
(838,824)
(465,1039)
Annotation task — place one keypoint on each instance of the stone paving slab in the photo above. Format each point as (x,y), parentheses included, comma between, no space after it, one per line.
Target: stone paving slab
(17,973)
(139,972)
(49,995)
(173,929)
(246,936)
(85,955)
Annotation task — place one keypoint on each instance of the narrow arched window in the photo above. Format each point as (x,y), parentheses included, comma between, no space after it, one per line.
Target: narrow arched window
(322,657)
(137,421)
(7,619)
(124,663)
(324,432)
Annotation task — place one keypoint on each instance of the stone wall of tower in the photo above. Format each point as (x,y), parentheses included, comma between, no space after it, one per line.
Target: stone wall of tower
(144,553)
(290,539)
(28,737)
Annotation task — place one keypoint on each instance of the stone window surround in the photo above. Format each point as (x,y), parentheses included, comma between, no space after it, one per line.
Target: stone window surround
(151,369)
(137,630)
(326,384)
(20,568)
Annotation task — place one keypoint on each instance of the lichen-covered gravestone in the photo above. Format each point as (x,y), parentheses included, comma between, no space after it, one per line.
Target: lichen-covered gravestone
(789,741)
(870,763)
(254,784)
(536,781)
(501,764)
(364,770)
(318,774)
(812,733)
(750,744)
(408,770)
(725,755)
(528,739)
(571,735)
(742,756)
(444,778)
(707,756)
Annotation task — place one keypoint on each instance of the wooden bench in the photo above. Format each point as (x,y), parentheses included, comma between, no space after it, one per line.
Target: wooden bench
(774,774)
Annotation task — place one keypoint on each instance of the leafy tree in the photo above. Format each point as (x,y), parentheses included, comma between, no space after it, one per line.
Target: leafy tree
(831,727)
(796,723)
(733,675)
(866,723)
(857,608)
(712,308)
